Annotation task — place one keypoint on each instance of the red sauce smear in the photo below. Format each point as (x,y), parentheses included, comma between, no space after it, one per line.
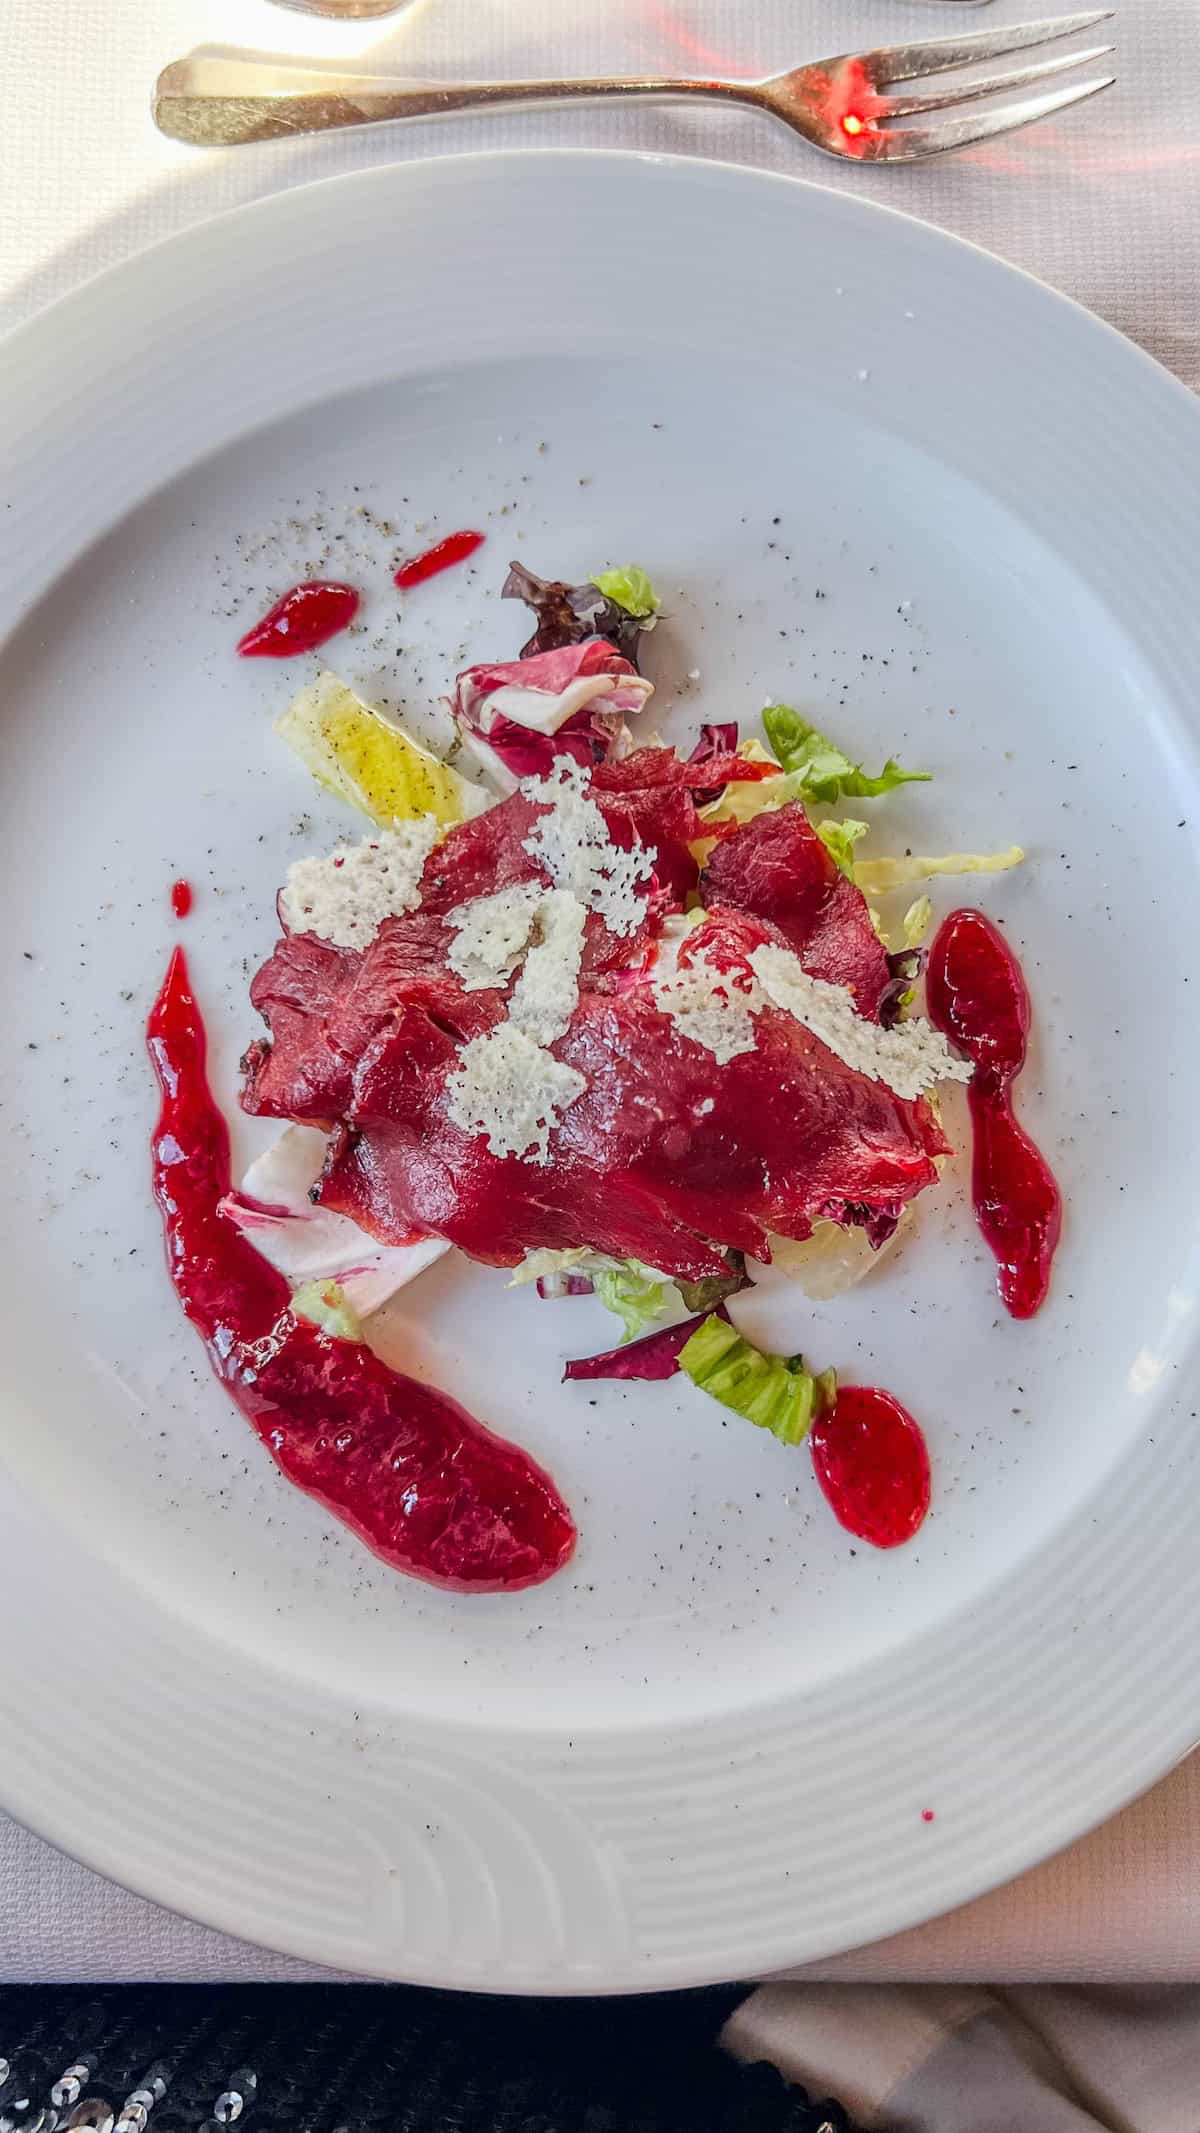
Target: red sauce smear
(978,998)
(430,1490)
(307,616)
(872,1463)
(181,898)
(442,556)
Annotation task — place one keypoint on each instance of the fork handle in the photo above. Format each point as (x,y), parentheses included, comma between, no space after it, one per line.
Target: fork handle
(213,102)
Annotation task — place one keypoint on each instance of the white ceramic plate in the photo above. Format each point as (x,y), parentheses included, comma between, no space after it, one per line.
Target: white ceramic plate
(872,470)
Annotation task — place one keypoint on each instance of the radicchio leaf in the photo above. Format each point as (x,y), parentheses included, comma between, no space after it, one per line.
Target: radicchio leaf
(654,1357)
(878,1224)
(715,739)
(715,754)
(551,1287)
(904,967)
(705,1295)
(567,614)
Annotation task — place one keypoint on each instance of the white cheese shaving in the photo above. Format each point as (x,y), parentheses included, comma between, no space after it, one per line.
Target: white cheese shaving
(540,930)
(909,1059)
(507,1088)
(547,992)
(506,1085)
(491,934)
(572,841)
(710,1007)
(346,896)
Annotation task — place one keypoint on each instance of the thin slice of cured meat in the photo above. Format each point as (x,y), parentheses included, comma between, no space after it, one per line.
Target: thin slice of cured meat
(324,1005)
(644,799)
(660,1159)
(776,866)
(297,1075)
(664,1157)
(647,797)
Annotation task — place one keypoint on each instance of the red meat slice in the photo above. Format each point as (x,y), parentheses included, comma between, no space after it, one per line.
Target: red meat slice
(643,799)
(479,857)
(776,866)
(648,797)
(665,1157)
(662,1158)
(297,1076)
(324,1005)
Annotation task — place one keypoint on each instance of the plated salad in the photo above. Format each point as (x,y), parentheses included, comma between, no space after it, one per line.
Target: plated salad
(611,1018)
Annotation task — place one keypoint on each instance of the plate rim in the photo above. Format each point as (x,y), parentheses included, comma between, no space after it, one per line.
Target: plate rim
(1175,1740)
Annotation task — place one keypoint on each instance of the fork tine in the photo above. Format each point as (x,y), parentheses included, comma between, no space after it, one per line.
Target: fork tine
(969,92)
(921,141)
(909,62)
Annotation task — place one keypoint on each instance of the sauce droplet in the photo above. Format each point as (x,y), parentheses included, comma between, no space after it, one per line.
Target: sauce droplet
(872,1463)
(442,556)
(307,616)
(181,898)
(977,997)
(419,1480)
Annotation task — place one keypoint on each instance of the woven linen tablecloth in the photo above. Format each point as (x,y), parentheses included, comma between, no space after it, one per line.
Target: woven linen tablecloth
(1103,203)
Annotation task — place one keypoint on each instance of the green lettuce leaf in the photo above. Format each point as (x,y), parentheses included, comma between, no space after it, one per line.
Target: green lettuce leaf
(774,1392)
(631,589)
(916,923)
(326,1305)
(827,773)
(839,840)
(636,1295)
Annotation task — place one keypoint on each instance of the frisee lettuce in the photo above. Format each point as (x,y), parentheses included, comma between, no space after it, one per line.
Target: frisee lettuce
(774,1392)
(826,771)
(634,1292)
(875,876)
(543,1265)
(916,923)
(839,840)
(629,587)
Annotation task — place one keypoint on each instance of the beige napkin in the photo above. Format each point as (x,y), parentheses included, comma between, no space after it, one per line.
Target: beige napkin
(954,2059)
(1123,1904)
(1102,203)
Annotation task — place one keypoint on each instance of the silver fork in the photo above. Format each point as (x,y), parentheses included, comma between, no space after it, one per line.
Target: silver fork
(358,9)
(838,104)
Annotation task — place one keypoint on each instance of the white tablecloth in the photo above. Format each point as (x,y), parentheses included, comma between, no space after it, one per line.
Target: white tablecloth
(1104,203)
